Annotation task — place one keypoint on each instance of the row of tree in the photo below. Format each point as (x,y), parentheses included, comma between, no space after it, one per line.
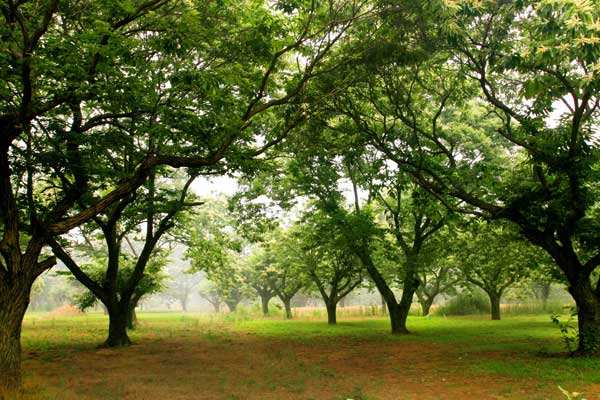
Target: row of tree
(312,257)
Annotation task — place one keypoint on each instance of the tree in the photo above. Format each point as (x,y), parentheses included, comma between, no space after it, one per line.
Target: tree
(333,268)
(439,274)
(491,107)
(414,218)
(259,274)
(215,248)
(181,284)
(493,258)
(152,282)
(285,273)
(118,290)
(209,292)
(64,69)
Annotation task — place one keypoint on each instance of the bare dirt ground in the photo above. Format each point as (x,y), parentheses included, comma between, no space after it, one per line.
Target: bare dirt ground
(244,366)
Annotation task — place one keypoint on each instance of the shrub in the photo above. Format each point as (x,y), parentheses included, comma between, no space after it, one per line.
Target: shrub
(465,303)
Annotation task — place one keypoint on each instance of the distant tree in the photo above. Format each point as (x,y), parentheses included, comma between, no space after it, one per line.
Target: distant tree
(181,284)
(215,247)
(286,275)
(259,275)
(493,258)
(209,292)
(438,274)
(331,266)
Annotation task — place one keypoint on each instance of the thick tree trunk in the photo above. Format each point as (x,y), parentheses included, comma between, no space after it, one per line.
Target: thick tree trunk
(495,306)
(288,308)
(588,316)
(13,304)
(265,304)
(217,307)
(331,312)
(117,327)
(398,325)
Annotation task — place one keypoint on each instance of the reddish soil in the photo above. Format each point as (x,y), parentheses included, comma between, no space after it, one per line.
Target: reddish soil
(249,367)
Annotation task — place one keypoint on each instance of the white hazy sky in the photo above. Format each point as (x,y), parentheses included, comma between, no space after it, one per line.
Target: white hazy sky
(214,186)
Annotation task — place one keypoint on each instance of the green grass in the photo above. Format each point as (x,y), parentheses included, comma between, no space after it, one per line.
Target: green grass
(524,347)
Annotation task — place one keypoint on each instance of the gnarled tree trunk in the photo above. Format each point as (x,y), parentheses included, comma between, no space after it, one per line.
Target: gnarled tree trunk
(118,318)
(588,316)
(13,304)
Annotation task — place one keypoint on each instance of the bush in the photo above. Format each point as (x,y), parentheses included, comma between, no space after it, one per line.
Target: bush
(466,303)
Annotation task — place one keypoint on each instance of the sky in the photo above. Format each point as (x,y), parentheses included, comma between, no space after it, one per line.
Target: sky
(214,186)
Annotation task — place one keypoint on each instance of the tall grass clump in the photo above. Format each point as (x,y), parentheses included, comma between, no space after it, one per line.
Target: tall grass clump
(534,308)
(466,303)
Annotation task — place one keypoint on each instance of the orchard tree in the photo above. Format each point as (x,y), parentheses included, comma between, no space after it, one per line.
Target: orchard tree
(331,266)
(439,274)
(493,107)
(181,284)
(414,218)
(147,220)
(71,70)
(286,274)
(493,258)
(208,291)
(259,274)
(152,282)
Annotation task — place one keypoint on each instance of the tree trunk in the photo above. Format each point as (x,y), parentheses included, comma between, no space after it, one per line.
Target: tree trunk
(217,307)
(588,316)
(231,305)
(265,304)
(331,312)
(545,295)
(288,308)
(132,319)
(117,327)
(386,293)
(409,287)
(13,304)
(426,303)
(398,326)
(183,302)
(495,306)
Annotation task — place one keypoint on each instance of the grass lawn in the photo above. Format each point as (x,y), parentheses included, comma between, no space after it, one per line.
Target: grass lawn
(190,356)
